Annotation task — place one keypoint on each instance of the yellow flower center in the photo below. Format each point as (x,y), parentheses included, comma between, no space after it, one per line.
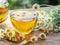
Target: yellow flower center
(42,35)
(10,34)
(8,30)
(33,39)
(35,7)
(49,19)
(42,13)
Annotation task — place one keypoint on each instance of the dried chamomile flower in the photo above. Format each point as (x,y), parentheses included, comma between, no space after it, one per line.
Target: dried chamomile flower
(38,24)
(7,30)
(17,35)
(37,27)
(49,27)
(49,19)
(42,12)
(5,35)
(33,39)
(1,34)
(23,42)
(41,24)
(1,37)
(35,6)
(14,39)
(46,31)
(10,33)
(2,31)
(42,36)
(42,28)
(56,30)
(22,37)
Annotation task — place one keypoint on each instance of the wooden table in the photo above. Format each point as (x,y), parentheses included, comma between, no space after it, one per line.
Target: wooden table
(52,39)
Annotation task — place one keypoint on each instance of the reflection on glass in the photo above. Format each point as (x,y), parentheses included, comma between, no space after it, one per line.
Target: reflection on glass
(3,10)
(3,14)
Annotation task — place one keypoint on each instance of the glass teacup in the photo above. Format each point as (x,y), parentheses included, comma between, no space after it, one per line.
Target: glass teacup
(3,10)
(23,21)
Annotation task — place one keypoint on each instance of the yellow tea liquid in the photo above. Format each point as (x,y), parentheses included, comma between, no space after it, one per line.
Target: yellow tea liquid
(3,14)
(23,27)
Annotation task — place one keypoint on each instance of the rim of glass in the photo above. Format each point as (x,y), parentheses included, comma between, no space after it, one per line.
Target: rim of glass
(12,13)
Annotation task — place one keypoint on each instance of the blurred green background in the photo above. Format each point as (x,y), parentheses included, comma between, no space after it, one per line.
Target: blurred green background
(18,4)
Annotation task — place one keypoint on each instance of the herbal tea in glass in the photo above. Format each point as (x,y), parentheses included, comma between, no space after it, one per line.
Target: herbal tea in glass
(23,21)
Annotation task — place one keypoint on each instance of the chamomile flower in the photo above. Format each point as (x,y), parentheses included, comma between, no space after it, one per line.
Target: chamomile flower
(41,16)
(38,24)
(8,30)
(49,19)
(37,27)
(11,36)
(46,31)
(56,30)
(42,26)
(1,37)
(50,27)
(2,31)
(35,6)
(42,12)
(22,37)
(17,35)
(42,36)
(1,34)
(5,35)
(13,39)
(10,33)
(33,39)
